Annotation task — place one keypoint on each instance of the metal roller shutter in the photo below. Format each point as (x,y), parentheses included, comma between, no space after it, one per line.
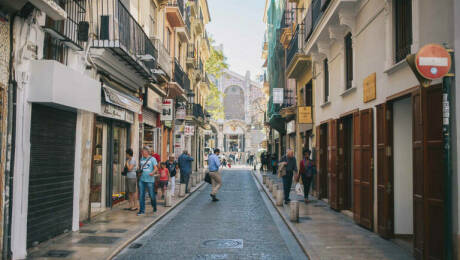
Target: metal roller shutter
(52,156)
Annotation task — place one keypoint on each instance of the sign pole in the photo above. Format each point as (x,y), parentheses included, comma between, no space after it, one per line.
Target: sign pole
(446,132)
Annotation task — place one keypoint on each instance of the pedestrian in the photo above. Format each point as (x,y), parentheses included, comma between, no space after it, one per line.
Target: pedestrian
(216,179)
(131,180)
(307,171)
(291,167)
(172,166)
(224,163)
(274,163)
(148,168)
(262,161)
(157,182)
(185,166)
(164,178)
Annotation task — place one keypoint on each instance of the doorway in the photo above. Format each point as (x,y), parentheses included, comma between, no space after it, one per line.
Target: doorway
(322,173)
(345,162)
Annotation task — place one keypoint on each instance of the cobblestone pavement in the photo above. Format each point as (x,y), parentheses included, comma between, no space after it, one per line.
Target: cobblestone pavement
(329,235)
(242,225)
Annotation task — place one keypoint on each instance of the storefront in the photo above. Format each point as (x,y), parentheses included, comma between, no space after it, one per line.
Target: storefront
(150,124)
(112,136)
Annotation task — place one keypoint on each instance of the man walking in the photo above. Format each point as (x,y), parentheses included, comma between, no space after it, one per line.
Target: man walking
(307,171)
(148,166)
(216,179)
(185,166)
(291,167)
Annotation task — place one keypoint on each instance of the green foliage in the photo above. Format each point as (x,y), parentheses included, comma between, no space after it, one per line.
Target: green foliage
(215,65)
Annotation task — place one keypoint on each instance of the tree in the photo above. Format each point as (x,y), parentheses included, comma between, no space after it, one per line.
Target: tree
(215,65)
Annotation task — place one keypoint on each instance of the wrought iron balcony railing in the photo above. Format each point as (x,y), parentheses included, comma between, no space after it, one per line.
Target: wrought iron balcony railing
(179,4)
(188,23)
(117,30)
(191,51)
(180,77)
(198,111)
(295,45)
(164,58)
(314,13)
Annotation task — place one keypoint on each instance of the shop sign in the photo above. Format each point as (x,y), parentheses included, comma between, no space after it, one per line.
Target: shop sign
(278,95)
(189,130)
(369,88)
(117,98)
(154,101)
(167,110)
(181,113)
(207,132)
(305,116)
(117,113)
(168,124)
(276,134)
(290,127)
(179,129)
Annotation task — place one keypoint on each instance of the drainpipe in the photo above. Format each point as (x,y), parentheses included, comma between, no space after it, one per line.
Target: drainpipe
(446,132)
(10,145)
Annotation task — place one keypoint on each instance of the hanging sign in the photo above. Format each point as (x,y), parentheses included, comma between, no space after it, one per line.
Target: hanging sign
(181,113)
(167,110)
(278,95)
(290,127)
(433,61)
(189,130)
(153,101)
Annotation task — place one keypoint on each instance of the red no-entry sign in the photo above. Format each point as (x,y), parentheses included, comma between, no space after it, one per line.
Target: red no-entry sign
(433,61)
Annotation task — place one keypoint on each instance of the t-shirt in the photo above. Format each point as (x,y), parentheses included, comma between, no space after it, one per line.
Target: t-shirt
(148,168)
(132,174)
(164,174)
(171,167)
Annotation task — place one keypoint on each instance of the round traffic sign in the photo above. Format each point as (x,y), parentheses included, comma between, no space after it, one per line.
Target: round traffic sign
(433,61)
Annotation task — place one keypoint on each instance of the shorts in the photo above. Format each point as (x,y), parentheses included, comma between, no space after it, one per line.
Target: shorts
(132,184)
(163,184)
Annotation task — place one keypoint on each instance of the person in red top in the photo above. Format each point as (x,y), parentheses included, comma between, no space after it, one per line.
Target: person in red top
(307,171)
(156,156)
(164,177)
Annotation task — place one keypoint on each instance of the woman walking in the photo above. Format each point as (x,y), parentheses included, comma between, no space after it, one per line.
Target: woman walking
(307,171)
(131,179)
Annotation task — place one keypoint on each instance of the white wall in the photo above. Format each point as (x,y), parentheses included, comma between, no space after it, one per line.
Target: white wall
(403,181)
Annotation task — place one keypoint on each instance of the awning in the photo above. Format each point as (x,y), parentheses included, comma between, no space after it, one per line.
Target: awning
(277,123)
(122,100)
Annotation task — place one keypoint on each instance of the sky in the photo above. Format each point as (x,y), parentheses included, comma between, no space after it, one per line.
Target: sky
(238,25)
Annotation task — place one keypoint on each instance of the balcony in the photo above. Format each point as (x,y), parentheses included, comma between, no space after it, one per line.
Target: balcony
(180,77)
(164,59)
(184,32)
(191,56)
(119,33)
(66,31)
(198,22)
(175,13)
(198,111)
(199,69)
(296,59)
(287,23)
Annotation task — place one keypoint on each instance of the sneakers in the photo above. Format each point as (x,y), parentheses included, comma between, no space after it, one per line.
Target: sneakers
(140,213)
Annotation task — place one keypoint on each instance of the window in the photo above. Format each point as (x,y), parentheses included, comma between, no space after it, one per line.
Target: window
(168,40)
(326,81)
(308,94)
(52,48)
(403,28)
(348,61)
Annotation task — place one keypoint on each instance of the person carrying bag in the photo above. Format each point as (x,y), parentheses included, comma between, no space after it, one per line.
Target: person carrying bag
(307,171)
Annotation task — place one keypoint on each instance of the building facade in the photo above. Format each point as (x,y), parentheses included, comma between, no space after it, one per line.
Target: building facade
(377,135)
(90,79)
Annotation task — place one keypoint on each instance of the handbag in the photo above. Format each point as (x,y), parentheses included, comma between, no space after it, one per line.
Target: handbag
(282,169)
(125,171)
(207,177)
(141,169)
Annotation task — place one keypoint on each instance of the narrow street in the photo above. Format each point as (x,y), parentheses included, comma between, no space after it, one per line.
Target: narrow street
(242,225)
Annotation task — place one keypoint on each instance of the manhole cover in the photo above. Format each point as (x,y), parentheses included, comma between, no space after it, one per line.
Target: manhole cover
(135,245)
(223,243)
(211,257)
(58,253)
(87,231)
(98,240)
(116,230)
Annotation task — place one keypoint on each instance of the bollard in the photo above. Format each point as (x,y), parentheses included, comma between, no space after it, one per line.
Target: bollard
(182,190)
(264,179)
(279,197)
(274,188)
(168,202)
(192,180)
(272,182)
(294,210)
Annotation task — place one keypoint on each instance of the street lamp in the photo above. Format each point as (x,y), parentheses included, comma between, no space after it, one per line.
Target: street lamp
(191,97)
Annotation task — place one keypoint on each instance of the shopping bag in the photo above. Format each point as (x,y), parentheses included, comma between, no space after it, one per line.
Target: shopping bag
(207,178)
(299,189)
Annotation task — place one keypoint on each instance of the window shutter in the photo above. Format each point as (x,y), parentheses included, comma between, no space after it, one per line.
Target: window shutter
(308,23)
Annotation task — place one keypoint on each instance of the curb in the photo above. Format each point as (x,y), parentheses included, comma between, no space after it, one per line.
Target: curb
(286,221)
(141,232)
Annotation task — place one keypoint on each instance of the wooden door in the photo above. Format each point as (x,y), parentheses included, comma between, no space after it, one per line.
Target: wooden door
(318,162)
(356,167)
(341,164)
(385,201)
(332,164)
(367,169)
(432,174)
(417,164)
(323,187)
